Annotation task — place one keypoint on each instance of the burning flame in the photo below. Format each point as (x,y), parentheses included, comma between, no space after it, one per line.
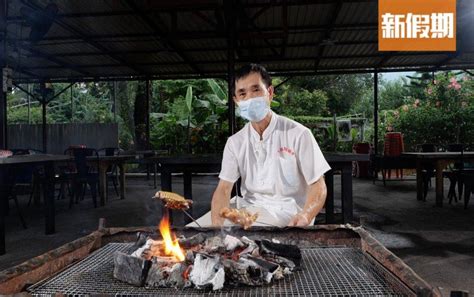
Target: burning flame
(172,247)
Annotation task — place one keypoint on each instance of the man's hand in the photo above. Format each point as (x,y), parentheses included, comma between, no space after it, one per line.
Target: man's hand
(299,220)
(316,197)
(220,199)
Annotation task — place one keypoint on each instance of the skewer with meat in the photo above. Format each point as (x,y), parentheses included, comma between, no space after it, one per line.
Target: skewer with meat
(239,216)
(173,200)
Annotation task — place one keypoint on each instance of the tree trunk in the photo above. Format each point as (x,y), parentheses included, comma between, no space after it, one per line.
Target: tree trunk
(140,116)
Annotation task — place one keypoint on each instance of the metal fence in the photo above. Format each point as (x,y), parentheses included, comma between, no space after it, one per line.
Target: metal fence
(61,136)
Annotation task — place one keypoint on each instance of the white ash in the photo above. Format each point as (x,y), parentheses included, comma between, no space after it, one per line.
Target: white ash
(140,250)
(231,243)
(214,244)
(252,247)
(207,271)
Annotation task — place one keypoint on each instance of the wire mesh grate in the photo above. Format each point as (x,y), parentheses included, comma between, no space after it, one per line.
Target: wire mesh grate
(331,271)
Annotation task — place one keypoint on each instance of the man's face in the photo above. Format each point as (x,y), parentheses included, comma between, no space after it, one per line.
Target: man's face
(252,86)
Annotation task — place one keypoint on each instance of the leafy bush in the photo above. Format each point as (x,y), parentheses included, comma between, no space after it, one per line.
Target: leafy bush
(445,116)
(194,123)
(306,103)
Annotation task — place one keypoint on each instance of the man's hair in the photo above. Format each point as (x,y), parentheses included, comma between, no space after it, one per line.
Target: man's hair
(252,68)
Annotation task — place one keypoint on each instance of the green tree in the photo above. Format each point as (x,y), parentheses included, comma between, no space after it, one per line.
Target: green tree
(341,90)
(393,94)
(306,103)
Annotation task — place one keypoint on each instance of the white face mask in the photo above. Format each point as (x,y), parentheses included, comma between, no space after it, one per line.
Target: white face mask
(254,109)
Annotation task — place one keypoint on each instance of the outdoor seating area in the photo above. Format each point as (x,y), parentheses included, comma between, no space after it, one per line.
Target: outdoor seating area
(124,119)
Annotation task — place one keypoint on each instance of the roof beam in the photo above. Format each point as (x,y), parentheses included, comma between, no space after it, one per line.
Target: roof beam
(260,12)
(242,60)
(183,35)
(163,35)
(205,18)
(327,33)
(222,73)
(385,58)
(192,6)
(79,35)
(204,49)
(259,33)
(451,56)
(284,21)
(51,58)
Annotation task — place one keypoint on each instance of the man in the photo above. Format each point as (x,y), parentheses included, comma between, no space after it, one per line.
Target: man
(278,160)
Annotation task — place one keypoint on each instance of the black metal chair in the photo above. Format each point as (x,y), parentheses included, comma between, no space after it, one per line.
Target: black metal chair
(428,170)
(466,177)
(111,170)
(453,172)
(16,180)
(84,173)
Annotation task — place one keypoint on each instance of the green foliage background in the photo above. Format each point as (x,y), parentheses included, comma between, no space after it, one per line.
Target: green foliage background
(190,116)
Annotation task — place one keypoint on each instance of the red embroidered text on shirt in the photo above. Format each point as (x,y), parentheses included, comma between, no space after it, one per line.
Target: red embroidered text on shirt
(286,150)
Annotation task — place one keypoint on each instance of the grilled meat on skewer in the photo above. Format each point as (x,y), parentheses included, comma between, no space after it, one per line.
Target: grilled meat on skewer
(173,200)
(239,216)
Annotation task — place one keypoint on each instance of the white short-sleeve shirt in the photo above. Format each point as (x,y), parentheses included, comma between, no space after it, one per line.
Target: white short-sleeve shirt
(277,170)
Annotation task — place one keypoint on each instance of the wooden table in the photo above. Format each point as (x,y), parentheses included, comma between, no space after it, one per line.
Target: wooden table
(343,163)
(439,160)
(148,157)
(48,162)
(104,162)
(212,164)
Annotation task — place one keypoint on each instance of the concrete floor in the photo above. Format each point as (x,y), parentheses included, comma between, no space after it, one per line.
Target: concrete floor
(437,243)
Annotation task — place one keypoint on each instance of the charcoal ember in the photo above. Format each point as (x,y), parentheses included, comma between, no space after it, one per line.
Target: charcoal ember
(192,241)
(142,248)
(189,257)
(170,276)
(231,243)
(288,251)
(287,265)
(157,276)
(252,247)
(176,276)
(271,270)
(141,240)
(266,265)
(155,249)
(149,249)
(129,269)
(214,244)
(243,272)
(207,271)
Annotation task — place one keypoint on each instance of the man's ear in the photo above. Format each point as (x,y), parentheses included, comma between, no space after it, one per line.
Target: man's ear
(271,91)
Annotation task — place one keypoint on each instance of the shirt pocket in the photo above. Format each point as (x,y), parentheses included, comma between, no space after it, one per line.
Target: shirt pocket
(288,172)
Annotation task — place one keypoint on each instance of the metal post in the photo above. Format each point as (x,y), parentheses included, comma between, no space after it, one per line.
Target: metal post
(3,62)
(114,93)
(72,105)
(29,102)
(45,128)
(376,112)
(147,105)
(231,64)
(231,104)
(334,135)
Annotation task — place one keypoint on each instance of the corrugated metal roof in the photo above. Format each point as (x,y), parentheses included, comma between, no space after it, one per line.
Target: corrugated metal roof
(185,38)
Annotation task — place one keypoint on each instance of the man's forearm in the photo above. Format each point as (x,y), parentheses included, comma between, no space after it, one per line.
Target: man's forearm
(220,199)
(315,199)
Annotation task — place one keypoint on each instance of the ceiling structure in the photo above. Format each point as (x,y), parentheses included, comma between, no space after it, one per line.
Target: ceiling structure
(110,39)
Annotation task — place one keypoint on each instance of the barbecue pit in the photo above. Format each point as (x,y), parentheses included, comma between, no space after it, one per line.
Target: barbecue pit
(336,260)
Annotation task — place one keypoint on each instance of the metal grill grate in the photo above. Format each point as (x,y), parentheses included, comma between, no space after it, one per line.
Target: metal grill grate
(334,271)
